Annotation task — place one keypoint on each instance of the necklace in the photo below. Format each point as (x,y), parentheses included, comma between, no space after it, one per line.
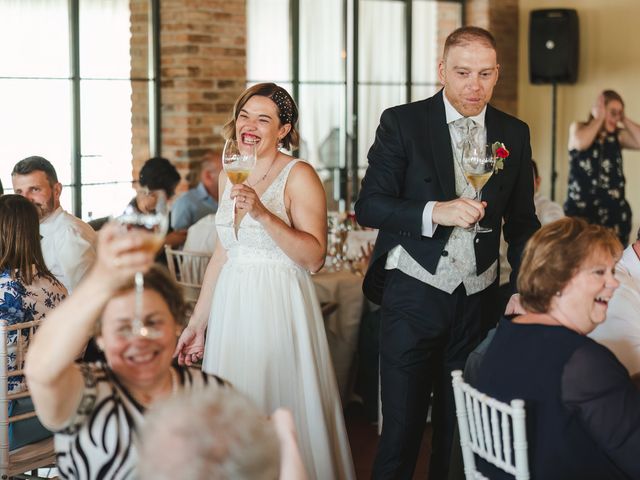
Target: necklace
(264,176)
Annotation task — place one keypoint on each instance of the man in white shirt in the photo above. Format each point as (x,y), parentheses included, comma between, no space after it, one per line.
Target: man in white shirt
(68,244)
(620,332)
(202,235)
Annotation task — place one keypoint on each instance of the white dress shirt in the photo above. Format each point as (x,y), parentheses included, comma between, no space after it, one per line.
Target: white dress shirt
(547,211)
(202,235)
(68,247)
(620,332)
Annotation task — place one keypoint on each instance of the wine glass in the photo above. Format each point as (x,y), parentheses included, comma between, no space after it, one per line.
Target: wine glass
(150,217)
(238,160)
(477,163)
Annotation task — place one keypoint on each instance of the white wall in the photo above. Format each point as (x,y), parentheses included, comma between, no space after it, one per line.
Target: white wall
(609,58)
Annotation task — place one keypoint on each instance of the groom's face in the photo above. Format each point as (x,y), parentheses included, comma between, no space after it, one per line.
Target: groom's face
(469,72)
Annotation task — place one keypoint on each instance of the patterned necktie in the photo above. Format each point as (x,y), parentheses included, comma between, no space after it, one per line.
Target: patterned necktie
(467,131)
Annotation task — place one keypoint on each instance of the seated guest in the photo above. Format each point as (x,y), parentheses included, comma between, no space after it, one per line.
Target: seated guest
(217,436)
(582,409)
(202,235)
(68,244)
(547,210)
(202,200)
(95,409)
(158,173)
(621,332)
(28,291)
(1,188)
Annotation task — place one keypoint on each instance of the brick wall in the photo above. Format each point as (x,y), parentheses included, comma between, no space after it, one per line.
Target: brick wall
(203,70)
(500,17)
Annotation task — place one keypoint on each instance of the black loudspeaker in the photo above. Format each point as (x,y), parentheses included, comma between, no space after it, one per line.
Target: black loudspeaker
(553,46)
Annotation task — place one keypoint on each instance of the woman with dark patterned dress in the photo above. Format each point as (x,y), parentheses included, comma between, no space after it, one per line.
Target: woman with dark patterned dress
(98,409)
(596,179)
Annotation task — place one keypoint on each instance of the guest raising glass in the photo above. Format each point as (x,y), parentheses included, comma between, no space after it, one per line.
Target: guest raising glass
(95,409)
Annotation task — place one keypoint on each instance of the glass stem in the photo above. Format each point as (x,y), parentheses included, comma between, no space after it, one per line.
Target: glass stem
(137,325)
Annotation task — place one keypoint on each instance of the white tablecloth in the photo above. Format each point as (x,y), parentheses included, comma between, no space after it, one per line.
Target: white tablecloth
(345,289)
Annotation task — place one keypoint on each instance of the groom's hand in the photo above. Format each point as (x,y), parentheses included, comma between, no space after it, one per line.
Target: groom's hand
(461,212)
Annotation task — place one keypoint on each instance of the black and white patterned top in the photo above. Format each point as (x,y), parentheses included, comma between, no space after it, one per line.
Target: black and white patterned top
(99,441)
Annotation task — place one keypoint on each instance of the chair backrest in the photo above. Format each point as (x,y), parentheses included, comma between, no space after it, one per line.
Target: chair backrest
(493,430)
(188,268)
(14,341)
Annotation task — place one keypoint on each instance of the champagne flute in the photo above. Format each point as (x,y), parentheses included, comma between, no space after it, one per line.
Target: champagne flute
(238,160)
(477,163)
(152,219)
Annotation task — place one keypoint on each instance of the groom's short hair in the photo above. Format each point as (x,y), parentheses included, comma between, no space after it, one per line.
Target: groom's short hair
(465,35)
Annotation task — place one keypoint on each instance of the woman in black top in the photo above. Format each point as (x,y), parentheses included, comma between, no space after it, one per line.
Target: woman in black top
(582,409)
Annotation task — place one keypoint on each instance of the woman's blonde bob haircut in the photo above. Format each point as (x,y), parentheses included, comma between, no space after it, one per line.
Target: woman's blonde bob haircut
(555,253)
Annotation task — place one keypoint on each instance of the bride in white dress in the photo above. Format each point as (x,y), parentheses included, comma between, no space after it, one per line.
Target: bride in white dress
(264,329)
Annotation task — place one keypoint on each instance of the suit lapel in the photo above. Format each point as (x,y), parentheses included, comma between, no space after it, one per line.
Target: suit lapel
(495,133)
(440,140)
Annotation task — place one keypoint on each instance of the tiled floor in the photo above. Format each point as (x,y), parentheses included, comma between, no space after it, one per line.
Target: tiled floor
(363,437)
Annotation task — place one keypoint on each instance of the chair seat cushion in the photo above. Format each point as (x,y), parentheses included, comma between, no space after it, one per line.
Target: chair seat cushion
(26,431)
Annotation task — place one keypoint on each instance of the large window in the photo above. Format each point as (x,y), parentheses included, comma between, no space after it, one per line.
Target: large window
(345,61)
(70,73)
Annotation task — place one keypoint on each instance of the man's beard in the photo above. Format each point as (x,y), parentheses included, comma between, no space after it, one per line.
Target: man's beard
(44,210)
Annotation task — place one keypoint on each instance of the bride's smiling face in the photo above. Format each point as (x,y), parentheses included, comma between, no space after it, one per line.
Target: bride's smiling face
(258,123)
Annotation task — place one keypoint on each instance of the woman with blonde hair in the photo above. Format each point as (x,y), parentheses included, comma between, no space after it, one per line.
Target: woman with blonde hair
(582,409)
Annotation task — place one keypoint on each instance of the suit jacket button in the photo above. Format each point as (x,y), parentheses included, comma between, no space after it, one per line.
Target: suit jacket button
(477,240)
(444,253)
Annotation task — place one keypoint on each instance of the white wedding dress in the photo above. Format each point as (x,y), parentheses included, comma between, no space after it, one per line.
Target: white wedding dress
(266,336)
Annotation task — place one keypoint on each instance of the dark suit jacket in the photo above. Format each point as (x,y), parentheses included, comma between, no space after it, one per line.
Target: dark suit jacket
(411,163)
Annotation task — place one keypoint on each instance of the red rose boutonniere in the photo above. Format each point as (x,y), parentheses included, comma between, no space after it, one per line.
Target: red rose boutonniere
(500,152)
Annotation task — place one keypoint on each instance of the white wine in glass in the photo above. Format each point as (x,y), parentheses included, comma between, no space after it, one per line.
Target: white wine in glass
(238,160)
(153,224)
(478,163)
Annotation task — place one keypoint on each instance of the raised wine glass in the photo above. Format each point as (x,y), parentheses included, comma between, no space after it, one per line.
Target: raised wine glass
(238,160)
(478,162)
(151,217)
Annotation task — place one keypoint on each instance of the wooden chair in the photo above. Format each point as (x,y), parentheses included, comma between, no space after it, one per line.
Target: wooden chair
(493,430)
(14,340)
(187,268)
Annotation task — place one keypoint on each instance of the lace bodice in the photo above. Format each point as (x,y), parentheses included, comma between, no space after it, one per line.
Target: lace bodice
(253,241)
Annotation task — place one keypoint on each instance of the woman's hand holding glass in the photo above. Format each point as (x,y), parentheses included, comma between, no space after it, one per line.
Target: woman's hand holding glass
(148,227)
(247,200)
(120,256)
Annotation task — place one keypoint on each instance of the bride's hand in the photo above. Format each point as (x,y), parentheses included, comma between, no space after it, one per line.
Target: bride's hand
(190,347)
(248,200)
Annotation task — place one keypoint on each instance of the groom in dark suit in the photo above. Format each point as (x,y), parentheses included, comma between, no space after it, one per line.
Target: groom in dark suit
(430,275)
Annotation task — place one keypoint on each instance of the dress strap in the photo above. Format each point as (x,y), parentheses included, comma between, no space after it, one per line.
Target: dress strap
(281,181)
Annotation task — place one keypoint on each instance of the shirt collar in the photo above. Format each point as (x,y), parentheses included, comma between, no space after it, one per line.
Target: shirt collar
(51,218)
(202,191)
(631,262)
(452,114)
